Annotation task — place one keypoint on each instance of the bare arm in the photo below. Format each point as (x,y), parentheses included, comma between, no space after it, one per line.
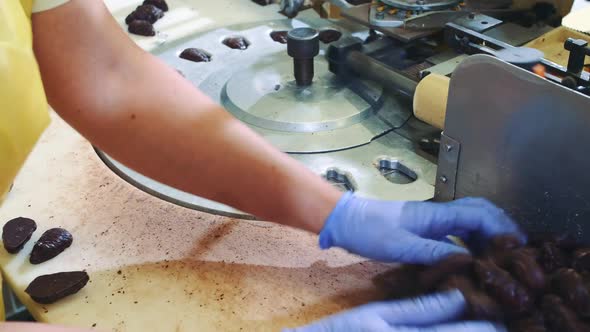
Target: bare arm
(140,111)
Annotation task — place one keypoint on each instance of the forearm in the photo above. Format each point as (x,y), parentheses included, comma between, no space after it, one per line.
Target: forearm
(145,115)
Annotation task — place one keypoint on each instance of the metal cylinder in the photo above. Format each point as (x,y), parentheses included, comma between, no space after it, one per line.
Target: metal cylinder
(372,69)
(303,71)
(303,45)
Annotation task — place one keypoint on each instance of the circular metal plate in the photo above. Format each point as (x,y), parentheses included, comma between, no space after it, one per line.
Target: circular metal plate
(354,138)
(422,5)
(268,97)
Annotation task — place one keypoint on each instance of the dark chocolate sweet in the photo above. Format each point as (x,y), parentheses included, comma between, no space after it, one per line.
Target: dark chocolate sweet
(279,36)
(581,260)
(148,13)
(16,233)
(195,55)
(50,288)
(161,4)
(400,282)
(505,242)
(432,275)
(237,43)
(552,257)
(142,28)
(541,287)
(560,318)
(532,323)
(52,243)
(570,286)
(328,36)
(525,269)
(515,298)
(479,305)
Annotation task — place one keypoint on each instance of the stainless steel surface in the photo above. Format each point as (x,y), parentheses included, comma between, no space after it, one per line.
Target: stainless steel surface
(341,3)
(433,20)
(419,5)
(448,157)
(360,14)
(516,35)
(522,145)
(361,164)
(332,125)
(291,7)
(329,115)
(267,98)
(376,71)
(478,22)
(446,68)
(400,13)
(384,19)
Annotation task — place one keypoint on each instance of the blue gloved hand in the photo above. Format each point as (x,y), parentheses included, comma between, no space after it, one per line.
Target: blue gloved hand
(411,232)
(433,313)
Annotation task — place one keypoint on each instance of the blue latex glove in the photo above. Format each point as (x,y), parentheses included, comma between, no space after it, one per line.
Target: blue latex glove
(433,313)
(411,232)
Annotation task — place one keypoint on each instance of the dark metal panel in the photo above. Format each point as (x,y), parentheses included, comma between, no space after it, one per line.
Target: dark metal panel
(525,145)
(447,168)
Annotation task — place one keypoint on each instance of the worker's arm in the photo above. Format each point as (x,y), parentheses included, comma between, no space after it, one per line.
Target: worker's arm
(144,114)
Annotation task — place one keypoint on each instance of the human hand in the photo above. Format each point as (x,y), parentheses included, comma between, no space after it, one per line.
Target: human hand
(411,232)
(433,313)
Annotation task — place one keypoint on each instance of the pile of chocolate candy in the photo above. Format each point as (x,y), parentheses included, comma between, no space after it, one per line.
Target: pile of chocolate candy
(544,286)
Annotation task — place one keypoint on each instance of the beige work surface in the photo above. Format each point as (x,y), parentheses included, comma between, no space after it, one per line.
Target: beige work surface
(155,266)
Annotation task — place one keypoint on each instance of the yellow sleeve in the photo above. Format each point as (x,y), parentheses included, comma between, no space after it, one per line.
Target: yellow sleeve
(23,106)
(41,5)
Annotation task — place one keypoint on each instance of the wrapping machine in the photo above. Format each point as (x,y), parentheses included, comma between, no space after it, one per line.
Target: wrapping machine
(412,99)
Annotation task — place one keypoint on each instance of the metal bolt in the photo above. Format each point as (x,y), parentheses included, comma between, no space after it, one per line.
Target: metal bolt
(443,179)
(448,147)
(471,16)
(303,44)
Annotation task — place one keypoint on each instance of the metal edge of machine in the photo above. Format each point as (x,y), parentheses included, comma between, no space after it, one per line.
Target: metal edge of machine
(517,139)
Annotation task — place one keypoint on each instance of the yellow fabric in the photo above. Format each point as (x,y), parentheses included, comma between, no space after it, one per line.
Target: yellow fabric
(2,310)
(23,106)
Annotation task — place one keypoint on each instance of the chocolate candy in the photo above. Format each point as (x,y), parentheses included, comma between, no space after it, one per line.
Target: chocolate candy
(142,28)
(161,4)
(52,243)
(195,54)
(328,36)
(237,43)
(50,288)
(148,13)
(570,286)
(581,260)
(479,305)
(541,287)
(552,257)
(525,269)
(559,317)
(505,242)
(279,36)
(502,286)
(432,275)
(532,323)
(16,233)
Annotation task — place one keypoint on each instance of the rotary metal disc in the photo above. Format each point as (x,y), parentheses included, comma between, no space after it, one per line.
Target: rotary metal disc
(422,5)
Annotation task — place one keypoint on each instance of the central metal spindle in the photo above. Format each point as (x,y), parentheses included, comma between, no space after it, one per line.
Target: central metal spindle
(303,45)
